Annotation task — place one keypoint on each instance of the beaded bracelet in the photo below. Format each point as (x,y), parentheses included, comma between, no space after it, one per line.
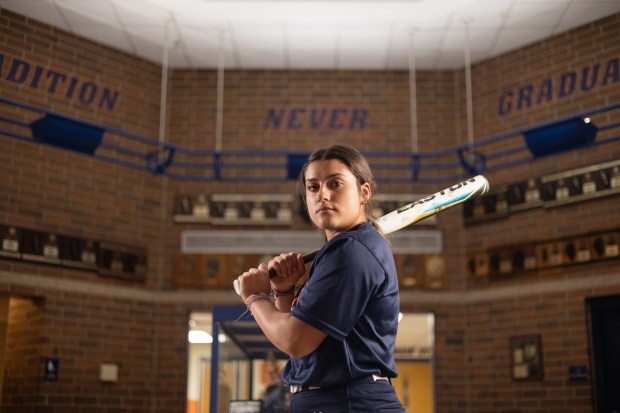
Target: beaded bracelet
(255,297)
(277,293)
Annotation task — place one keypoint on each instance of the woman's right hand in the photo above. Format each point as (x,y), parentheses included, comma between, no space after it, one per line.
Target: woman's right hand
(253,281)
(289,268)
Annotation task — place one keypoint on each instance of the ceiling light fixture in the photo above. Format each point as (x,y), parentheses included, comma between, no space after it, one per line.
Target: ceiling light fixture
(199,337)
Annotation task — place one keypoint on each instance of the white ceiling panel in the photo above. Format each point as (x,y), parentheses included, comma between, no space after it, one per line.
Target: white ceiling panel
(477,40)
(312,59)
(511,39)
(547,15)
(106,34)
(152,33)
(318,39)
(83,12)
(429,39)
(358,57)
(586,11)
(427,56)
(449,59)
(131,13)
(369,38)
(483,15)
(36,9)
(256,47)
(249,36)
(315,34)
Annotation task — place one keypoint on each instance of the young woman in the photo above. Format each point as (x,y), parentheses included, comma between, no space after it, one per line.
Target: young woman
(340,328)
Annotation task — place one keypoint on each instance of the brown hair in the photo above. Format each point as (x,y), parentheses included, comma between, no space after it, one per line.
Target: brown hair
(355,162)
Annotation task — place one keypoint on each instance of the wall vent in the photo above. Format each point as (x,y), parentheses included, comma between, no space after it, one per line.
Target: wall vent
(275,242)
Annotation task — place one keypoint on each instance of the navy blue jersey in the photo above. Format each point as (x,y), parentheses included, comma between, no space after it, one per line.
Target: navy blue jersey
(352,296)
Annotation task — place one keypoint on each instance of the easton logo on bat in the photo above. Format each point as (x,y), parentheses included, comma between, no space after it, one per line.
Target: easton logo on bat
(430,198)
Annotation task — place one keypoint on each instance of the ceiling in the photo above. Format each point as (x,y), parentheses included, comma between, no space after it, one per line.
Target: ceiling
(319,34)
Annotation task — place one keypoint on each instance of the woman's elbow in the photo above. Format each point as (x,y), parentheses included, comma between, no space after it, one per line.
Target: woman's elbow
(297,352)
(304,342)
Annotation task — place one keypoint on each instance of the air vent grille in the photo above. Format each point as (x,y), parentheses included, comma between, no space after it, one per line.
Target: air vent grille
(275,242)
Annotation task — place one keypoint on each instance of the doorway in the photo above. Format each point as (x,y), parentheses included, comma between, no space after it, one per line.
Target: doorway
(604,323)
(246,379)
(20,322)
(414,356)
(4,326)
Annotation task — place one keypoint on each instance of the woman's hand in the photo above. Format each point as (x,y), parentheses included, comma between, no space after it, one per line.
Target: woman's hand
(254,281)
(289,268)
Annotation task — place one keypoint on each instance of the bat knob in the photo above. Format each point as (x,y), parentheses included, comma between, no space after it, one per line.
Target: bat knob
(236,285)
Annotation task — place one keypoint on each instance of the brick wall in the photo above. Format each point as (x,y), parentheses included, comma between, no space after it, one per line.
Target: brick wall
(57,190)
(144,338)
(60,191)
(559,317)
(86,319)
(248,96)
(557,313)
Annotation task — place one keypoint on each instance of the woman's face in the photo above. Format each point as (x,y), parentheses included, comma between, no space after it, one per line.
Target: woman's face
(334,199)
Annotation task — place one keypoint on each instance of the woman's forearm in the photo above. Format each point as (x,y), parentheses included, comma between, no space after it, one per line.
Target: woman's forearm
(289,334)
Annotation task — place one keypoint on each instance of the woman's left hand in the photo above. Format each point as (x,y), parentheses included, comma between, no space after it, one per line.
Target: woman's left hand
(289,268)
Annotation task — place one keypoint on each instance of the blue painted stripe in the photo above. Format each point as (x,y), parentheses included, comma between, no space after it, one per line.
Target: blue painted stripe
(436,205)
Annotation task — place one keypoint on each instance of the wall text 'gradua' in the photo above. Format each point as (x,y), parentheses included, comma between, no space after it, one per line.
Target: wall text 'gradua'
(586,79)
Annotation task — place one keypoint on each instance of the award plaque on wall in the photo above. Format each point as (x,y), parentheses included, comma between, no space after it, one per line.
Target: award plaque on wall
(10,237)
(213,270)
(183,270)
(41,247)
(434,271)
(526,358)
(478,265)
(78,253)
(409,271)
(122,261)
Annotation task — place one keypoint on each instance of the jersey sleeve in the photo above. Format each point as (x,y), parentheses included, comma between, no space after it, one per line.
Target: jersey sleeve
(344,278)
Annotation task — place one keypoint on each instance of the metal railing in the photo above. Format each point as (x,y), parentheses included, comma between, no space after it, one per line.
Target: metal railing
(177,162)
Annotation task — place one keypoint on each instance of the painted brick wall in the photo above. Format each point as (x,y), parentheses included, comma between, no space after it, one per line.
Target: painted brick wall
(87,319)
(56,190)
(558,314)
(146,340)
(248,96)
(560,320)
